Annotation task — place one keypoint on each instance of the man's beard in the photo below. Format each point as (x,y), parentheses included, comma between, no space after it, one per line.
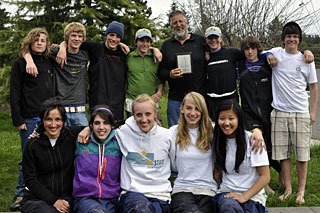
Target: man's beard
(180,35)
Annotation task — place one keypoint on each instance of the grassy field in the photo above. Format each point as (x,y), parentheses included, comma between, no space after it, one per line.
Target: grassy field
(312,195)
(10,155)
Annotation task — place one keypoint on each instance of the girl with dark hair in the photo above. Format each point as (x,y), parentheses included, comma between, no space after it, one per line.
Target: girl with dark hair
(27,93)
(96,184)
(147,153)
(244,172)
(48,162)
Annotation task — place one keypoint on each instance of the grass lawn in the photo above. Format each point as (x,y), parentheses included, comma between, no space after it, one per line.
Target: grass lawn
(312,195)
(10,155)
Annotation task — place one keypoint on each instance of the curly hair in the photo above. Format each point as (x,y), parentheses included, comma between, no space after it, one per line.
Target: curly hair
(74,27)
(31,37)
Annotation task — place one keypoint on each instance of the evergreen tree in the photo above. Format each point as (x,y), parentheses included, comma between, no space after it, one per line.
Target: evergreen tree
(95,14)
(7,54)
(53,15)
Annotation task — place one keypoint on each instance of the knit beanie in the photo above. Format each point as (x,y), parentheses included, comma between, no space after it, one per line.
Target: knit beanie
(291,28)
(116,27)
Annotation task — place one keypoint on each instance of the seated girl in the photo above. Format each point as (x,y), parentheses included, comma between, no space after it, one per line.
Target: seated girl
(96,184)
(48,162)
(194,187)
(245,172)
(148,151)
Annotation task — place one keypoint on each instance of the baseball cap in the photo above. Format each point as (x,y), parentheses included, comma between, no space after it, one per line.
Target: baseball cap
(213,31)
(143,33)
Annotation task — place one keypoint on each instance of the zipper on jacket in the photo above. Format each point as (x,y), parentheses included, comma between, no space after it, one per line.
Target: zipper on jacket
(101,167)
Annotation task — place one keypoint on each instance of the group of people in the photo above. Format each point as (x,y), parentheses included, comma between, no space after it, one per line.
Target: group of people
(273,89)
(209,143)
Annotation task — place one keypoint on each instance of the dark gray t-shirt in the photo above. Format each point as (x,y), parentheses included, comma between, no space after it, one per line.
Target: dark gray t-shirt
(70,81)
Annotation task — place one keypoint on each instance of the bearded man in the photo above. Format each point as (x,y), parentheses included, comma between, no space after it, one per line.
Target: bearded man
(183,64)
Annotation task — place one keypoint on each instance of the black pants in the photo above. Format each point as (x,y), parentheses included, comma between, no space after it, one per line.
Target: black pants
(37,206)
(188,202)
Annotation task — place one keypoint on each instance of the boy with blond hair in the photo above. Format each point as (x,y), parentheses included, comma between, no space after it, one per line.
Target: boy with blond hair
(70,79)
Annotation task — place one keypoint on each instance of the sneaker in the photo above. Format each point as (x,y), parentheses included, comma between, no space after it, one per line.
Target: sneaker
(15,206)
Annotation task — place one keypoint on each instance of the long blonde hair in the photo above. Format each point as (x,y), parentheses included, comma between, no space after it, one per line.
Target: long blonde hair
(31,38)
(205,132)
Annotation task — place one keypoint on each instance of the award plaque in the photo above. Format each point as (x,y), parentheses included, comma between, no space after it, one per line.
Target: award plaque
(184,62)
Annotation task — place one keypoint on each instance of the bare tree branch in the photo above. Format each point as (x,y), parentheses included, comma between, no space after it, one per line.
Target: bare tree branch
(239,18)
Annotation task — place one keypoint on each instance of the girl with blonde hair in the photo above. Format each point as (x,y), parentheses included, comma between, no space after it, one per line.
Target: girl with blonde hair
(194,187)
(148,153)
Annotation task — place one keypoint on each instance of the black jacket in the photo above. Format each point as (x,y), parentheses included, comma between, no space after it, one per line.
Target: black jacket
(256,97)
(222,70)
(107,77)
(48,171)
(27,93)
(196,81)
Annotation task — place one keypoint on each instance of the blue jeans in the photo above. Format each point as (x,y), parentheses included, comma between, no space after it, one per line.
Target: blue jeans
(134,202)
(31,124)
(95,205)
(76,119)
(173,112)
(222,204)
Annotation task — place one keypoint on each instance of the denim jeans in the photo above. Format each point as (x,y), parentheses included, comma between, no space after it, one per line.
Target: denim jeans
(76,119)
(31,124)
(134,202)
(95,205)
(222,204)
(173,112)
(188,202)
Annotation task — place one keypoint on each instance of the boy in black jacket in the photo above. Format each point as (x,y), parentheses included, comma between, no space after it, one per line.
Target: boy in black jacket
(256,94)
